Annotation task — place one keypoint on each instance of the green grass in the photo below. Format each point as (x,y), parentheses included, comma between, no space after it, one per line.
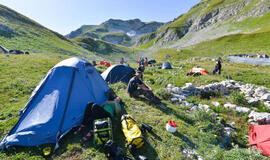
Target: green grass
(235,44)
(20,74)
(34,38)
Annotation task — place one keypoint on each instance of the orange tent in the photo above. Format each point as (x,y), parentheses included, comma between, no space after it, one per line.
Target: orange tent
(199,70)
(105,63)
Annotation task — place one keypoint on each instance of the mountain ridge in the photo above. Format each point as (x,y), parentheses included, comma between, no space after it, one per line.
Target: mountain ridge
(117,31)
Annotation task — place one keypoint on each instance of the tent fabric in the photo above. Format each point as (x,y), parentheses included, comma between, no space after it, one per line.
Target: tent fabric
(57,104)
(264,147)
(166,65)
(199,70)
(3,50)
(259,135)
(117,73)
(105,63)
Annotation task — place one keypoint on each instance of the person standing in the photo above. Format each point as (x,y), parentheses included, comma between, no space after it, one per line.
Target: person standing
(218,66)
(139,61)
(122,61)
(142,61)
(146,62)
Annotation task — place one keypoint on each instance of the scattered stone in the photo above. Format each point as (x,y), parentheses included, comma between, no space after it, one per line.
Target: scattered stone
(174,100)
(230,106)
(265,97)
(214,115)
(170,86)
(190,153)
(255,116)
(11,100)
(242,109)
(228,130)
(267,104)
(215,103)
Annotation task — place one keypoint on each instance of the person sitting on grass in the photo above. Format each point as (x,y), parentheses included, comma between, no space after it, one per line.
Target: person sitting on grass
(144,89)
(94,111)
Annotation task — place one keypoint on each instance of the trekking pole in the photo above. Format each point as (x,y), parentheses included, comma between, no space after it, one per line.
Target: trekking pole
(174,78)
(222,145)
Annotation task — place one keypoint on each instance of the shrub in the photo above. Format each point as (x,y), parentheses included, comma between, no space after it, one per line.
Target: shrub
(238,98)
(192,99)
(163,93)
(207,95)
(239,153)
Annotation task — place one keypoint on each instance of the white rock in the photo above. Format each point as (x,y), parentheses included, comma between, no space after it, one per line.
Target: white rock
(169,86)
(242,109)
(214,115)
(175,90)
(228,130)
(260,91)
(230,106)
(265,97)
(215,103)
(174,100)
(259,116)
(267,104)
(200,158)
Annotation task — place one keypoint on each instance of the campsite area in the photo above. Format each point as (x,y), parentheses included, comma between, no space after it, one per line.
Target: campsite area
(212,107)
(197,130)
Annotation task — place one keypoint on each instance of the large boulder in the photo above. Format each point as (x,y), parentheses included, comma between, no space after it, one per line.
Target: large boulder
(265,97)
(259,116)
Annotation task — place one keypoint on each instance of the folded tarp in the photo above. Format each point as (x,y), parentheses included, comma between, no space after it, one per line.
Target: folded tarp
(259,135)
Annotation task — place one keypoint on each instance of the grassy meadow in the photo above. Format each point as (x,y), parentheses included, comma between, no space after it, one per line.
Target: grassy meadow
(197,131)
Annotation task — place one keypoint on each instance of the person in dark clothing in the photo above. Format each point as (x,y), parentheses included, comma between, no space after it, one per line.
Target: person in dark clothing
(144,89)
(141,68)
(94,63)
(218,66)
(94,111)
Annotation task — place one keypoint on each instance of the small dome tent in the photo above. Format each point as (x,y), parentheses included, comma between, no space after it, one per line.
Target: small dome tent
(57,104)
(117,73)
(166,65)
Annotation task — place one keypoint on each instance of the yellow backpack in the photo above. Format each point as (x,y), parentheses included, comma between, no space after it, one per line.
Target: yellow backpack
(132,132)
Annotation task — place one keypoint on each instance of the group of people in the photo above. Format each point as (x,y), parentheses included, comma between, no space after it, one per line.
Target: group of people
(112,107)
(136,87)
(143,61)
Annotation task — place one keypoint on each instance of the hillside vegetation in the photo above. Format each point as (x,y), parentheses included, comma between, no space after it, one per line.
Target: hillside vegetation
(20,32)
(211,19)
(102,48)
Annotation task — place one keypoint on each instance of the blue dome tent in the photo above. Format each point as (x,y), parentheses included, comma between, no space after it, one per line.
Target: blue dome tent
(166,65)
(57,104)
(117,73)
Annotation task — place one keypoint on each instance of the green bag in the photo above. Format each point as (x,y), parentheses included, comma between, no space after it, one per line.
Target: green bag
(102,131)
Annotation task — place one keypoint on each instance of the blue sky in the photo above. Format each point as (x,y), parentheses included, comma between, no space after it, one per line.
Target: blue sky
(63,16)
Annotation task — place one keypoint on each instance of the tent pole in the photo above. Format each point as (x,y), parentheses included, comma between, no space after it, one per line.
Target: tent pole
(62,120)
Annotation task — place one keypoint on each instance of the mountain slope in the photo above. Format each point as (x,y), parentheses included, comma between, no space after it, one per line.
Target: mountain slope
(116,31)
(211,19)
(99,46)
(20,32)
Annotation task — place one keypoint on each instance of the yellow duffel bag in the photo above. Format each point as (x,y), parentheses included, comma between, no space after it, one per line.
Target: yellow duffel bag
(132,132)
